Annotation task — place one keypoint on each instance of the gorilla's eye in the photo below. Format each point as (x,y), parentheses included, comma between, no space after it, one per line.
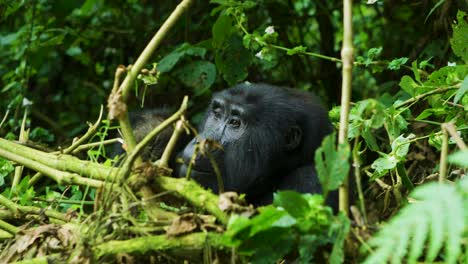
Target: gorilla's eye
(217,109)
(235,123)
(218,112)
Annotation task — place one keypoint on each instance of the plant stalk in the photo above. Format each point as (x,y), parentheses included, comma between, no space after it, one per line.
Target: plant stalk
(347,57)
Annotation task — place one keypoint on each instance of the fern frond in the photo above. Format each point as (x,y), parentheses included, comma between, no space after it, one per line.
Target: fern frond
(436,221)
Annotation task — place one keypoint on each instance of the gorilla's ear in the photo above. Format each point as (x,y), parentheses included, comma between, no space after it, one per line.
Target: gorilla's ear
(293,137)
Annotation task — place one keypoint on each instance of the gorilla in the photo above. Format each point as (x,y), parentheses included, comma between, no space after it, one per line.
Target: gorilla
(267,137)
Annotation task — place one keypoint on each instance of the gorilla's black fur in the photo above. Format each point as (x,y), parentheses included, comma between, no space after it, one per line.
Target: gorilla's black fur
(268,136)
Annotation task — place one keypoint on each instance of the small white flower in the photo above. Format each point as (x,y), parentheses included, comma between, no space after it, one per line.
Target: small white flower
(259,55)
(371,2)
(270,30)
(451,64)
(26,102)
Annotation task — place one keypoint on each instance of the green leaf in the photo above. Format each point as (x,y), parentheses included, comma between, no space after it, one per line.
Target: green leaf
(435,140)
(459,158)
(41,135)
(425,114)
(53,40)
(396,63)
(233,59)
(198,74)
(90,6)
(404,177)
(292,202)
(238,228)
(400,146)
(5,169)
(395,122)
(434,222)
(148,79)
(308,244)
(370,139)
(74,51)
(462,91)
(271,217)
(374,52)
(408,85)
(460,36)
(425,63)
(13,85)
(433,9)
(169,61)
(296,50)
(383,164)
(340,227)
(414,67)
(332,165)
(221,30)
(269,246)
(448,75)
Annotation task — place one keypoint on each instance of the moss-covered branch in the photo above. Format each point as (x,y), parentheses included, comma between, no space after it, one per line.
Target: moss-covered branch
(189,190)
(54,258)
(17,209)
(195,194)
(142,245)
(61,177)
(61,162)
(8,227)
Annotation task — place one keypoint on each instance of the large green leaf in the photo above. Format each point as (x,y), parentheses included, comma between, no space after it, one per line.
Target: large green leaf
(221,30)
(459,158)
(332,164)
(462,91)
(460,36)
(233,59)
(169,61)
(292,202)
(435,221)
(197,74)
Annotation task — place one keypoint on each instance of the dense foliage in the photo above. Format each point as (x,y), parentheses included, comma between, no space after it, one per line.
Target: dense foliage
(410,108)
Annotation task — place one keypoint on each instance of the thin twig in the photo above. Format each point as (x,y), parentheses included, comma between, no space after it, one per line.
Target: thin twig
(4,117)
(452,130)
(23,138)
(421,96)
(443,155)
(357,175)
(95,144)
(164,160)
(91,131)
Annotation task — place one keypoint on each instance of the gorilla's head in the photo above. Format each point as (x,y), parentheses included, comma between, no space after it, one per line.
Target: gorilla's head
(264,132)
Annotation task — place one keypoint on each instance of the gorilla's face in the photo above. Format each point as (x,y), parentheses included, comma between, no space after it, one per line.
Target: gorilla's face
(226,125)
(225,122)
